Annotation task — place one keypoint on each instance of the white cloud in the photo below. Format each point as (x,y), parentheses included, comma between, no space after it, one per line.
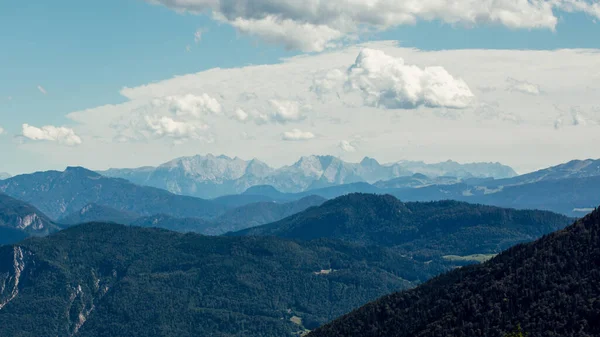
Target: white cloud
(387,82)
(42,90)
(523,87)
(313,25)
(273,111)
(168,127)
(574,116)
(241,115)
(297,135)
(61,135)
(189,105)
(178,117)
(1,130)
(285,111)
(515,129)
(198,35)
(346,146)
(289,33)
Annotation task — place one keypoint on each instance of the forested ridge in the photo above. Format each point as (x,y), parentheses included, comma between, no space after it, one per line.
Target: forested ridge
(111,280)
(549,288)
(421,229)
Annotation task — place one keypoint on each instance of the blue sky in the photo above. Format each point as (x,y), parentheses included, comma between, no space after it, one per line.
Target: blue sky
(84,52)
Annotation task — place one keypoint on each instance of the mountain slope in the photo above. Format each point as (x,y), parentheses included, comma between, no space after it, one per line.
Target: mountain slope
(19,219)
(4,175)
(549,288)
(111,280)
(436,228)
(257,214)
(98,213)
(573,169)
(61,193)
(453,169)
(181,225)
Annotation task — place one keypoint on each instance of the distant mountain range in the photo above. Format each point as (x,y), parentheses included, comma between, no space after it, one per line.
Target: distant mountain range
(570,189)
(546,288)
(214,176)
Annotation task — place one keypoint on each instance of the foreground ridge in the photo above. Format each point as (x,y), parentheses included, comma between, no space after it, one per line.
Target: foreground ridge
(549,288)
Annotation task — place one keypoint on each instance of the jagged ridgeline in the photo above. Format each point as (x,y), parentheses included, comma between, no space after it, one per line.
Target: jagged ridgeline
(547,288)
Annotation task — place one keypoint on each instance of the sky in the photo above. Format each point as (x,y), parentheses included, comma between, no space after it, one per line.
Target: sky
(130,83)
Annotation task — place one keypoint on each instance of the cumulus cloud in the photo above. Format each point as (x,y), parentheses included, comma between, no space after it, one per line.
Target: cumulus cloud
(275,112)
(178,117)
(61,135)
(42,90)
(297,135)
(573,117)
(346,146)
(241,115)
(523,87)
(189,105)
(387,82)
(168,127)
(285,111)
(314,25)
(328,82)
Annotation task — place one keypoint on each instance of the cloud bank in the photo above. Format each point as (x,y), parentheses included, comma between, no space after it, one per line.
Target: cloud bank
(247,111)
(314,25)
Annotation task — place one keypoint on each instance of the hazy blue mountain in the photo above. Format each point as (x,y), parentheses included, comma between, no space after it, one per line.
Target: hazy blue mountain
(58,194)
(257,214)
(238,200)
(112,280)
(415,181)
(98,213)
(19,220)
(237,218)
(215,176)
(272,193)
(546,288)
(574,197)
(182,225)
(421,229)
(573,169)
(453,169)
(4,175)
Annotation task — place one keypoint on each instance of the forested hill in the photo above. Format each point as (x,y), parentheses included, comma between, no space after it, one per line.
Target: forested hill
(428,228)
(111,280)
(549,288)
